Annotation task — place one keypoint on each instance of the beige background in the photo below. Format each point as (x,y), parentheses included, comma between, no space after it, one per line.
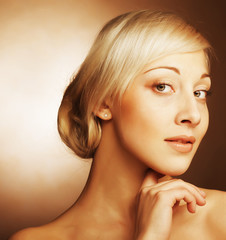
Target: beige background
(41,43)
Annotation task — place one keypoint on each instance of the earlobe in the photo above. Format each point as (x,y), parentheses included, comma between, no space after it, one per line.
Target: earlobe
(104,112)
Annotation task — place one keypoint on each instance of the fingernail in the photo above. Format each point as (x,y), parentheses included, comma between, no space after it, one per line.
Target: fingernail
(203,193)
(194,209)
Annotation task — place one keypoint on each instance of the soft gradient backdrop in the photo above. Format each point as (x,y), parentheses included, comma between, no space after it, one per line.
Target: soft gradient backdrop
(42,43)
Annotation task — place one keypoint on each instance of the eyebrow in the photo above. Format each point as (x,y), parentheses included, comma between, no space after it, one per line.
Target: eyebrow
(164,67)
(204,75)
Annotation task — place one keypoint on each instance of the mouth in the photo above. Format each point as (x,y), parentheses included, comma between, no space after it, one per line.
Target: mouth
(183,144)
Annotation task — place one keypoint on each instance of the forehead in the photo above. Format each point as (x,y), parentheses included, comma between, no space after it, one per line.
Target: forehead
(195,62)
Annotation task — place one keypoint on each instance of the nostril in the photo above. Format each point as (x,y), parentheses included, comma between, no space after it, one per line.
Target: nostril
(185,121)
(189,119)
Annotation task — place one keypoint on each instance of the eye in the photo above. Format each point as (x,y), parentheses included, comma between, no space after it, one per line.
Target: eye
(202,94)
(163,88)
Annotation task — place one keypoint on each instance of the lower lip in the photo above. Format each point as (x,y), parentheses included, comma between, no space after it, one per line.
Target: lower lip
(181,147)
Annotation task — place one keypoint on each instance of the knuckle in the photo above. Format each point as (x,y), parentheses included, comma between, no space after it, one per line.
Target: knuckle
(147,192)
(144,191)
(151,192)
(160,195)
(180,181)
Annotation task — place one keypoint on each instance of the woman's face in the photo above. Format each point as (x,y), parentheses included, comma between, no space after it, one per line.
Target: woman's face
(163,114)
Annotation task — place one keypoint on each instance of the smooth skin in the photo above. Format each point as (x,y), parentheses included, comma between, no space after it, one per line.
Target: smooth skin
(127,196)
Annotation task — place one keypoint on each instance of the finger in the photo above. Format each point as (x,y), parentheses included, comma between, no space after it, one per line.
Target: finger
(202,192)
(176,195)
(191,202)
(178,183)
(177,204)
(198,193)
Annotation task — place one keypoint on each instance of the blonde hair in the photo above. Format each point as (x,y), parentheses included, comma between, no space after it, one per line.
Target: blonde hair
(121,50)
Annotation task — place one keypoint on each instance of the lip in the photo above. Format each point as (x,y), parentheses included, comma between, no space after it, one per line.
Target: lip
(183,143)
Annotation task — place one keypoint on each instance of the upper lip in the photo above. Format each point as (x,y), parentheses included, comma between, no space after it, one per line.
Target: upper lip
(182,139)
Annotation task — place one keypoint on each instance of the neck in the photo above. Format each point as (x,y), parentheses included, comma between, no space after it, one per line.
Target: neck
(114,181)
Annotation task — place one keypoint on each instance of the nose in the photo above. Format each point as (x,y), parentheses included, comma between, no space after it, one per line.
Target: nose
(188,112)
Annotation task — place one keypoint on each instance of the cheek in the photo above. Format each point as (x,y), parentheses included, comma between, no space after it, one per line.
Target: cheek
(205,117)
(205,120)
(203,126)
(141,120)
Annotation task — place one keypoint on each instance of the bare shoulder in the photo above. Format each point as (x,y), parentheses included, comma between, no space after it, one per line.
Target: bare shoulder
(216,216)
(25,234)
(217,203)
(209,221)
(36,233)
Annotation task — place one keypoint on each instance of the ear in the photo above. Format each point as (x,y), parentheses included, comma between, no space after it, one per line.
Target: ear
(104,112)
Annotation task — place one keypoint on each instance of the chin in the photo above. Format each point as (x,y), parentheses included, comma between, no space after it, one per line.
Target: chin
(178,167)
(177,173)
(174,172)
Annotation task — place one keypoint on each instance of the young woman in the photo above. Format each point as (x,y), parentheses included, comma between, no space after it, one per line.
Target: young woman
(137,106)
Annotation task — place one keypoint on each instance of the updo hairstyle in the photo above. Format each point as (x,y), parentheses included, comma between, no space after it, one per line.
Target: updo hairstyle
(121,50)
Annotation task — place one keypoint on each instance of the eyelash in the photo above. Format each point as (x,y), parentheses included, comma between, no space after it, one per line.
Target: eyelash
(207,92)
(155,86)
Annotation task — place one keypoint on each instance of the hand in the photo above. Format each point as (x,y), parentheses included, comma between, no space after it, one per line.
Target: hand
(155,205)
